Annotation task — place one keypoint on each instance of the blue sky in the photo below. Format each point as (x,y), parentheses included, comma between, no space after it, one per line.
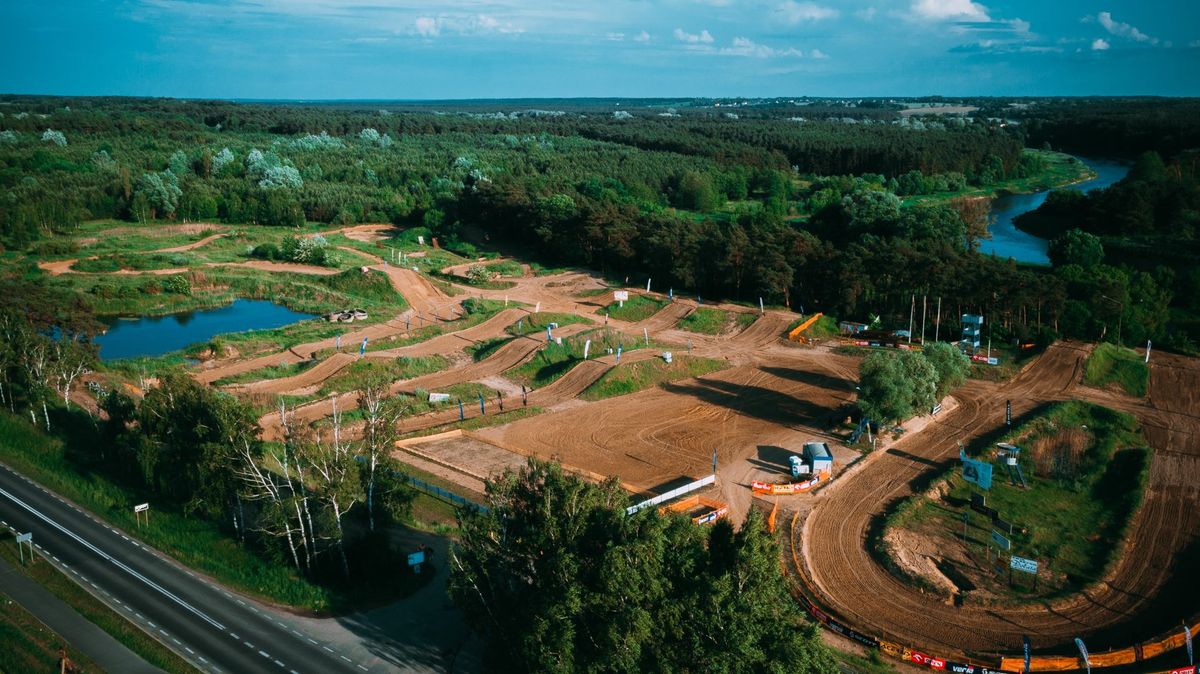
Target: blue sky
(322,49)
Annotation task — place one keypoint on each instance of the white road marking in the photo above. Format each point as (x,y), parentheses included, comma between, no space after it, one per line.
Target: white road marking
(327,648)
(345,658)
(116,562)
(265,654)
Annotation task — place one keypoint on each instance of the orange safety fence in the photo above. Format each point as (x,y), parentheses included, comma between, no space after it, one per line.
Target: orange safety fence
(771,517)
(788,488)
(794,335)
(1038,663)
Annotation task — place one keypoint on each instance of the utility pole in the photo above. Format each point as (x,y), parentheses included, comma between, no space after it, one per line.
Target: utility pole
(924,308)
(937,325)
(912,310)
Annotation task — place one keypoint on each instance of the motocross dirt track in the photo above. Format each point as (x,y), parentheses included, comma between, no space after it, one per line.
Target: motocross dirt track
(1115,612)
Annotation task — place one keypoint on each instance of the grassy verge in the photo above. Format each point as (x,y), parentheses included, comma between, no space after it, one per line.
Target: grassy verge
(637,308)
(708,321)
(1115,366)
(554,360)
(476,423)
(281,371)
(30,646)
(75,472)
(647,373)
(1086,467)
(872,663)
(1059,170)
(133,638)
(539,321)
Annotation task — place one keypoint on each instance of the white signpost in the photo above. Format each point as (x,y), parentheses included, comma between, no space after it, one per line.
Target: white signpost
(439,397)
(22,541)
(138,510)
(620,296)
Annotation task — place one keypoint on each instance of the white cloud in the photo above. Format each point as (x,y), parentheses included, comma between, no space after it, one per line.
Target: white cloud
(692,38)
(746,47)
(642,37)
(1099,44)
(1194,43)
(940,10)
(866,14)
(818,54)
(476,24)
(615,37)
(1123,29)
(798,12)
(427,26)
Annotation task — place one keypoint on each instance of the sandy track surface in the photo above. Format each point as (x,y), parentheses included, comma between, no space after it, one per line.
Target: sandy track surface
(313,375)
(851,583)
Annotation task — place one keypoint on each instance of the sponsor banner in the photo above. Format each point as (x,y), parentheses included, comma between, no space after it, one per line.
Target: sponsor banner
(1000,540)
(979,358)
(1001,524)
(894,650)
(962,668)
(1031,566)
(1185,670)
(784,489)
(861,342)
(984,510)
(977,472)
(853,635)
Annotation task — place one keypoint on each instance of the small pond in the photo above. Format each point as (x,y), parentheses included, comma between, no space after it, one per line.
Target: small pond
(156,335)
(1008,241)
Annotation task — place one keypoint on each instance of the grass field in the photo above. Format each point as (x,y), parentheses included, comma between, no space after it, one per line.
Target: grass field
(637,308)
(90,608)
(709,321)
(553,361)
(539,321)
(1087,468)
(1115,366)
(644,374)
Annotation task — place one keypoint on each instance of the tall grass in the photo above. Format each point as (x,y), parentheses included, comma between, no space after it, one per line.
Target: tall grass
(1112,365)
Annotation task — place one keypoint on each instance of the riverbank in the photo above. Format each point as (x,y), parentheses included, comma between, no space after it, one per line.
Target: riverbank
(1061,170)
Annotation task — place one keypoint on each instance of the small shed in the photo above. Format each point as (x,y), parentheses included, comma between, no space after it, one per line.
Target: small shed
(851,328)
(818,457)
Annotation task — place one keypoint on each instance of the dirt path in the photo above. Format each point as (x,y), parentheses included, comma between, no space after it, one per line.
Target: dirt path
(851,583)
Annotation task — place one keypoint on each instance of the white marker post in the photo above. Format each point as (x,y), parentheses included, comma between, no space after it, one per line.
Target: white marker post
(1147,351)
(647,285)
(22,540)
(761,310)
(587,346)
(137,513)
(538,309)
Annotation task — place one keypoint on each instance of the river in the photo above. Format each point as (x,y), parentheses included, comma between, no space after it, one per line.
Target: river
(156,335)
(1008,241)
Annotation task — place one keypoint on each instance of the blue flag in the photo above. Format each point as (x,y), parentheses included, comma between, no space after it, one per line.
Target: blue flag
(363,349)
(1026,640)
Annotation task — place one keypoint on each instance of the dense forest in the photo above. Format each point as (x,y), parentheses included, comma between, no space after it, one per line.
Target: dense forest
(806,203)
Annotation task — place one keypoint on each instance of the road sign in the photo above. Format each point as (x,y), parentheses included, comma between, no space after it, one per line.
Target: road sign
(1021,564)
(977,472)
(25,538)
(415,558)
(1001,541)
(141,507)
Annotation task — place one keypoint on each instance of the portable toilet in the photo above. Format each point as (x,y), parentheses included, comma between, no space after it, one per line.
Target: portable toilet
(798,467)
(818,457)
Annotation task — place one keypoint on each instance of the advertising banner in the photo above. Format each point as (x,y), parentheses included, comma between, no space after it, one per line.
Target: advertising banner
(1002,542)
(977,472)
(1021,564)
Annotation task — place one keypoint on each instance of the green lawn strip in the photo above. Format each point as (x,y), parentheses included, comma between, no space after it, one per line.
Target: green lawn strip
(539,321)
(1112,365)
(481,350)
(117,261)
(477,422)
(95,611)
(30,646)
(872,663)
(705,321)
(476,312)
(637,308)
(195,542)
(393,369)
(553,360)
(644,374)
(1076,511)
(280,371)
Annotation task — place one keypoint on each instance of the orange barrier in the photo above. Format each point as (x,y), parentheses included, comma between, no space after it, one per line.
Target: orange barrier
(794,335)
(1037,663)
(715,510)
(788,488)
(1123,656)
(771,517)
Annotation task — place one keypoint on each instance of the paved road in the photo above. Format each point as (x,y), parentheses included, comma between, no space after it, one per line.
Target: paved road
(56,614)
(213,628)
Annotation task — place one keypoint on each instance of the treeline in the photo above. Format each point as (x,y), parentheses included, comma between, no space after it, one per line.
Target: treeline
(1112,127)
